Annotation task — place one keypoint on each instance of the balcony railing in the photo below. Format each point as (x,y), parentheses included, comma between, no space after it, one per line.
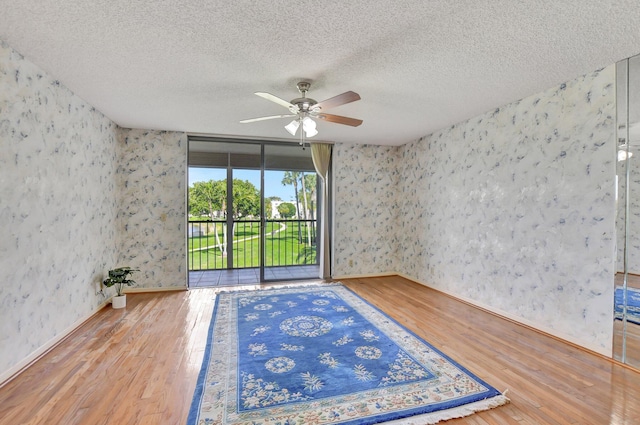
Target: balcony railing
(287,243)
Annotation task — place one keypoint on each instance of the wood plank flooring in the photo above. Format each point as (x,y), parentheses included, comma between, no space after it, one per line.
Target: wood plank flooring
(140,365)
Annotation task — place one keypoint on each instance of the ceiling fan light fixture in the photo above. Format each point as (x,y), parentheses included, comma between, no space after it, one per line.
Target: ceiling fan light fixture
(624,154)
(309,127)
(304,108)
(292,127)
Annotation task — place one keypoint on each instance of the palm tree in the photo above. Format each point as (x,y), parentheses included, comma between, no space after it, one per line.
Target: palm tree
(311,183)
(291,177)
(306,208)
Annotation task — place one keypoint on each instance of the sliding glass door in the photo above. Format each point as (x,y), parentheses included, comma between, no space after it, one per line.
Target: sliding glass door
(290,219)
(252,213)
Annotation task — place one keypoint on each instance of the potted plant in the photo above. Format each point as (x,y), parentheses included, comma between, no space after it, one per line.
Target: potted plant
(119,278)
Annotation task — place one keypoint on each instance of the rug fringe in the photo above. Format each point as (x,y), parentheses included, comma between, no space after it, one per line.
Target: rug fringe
(455,413)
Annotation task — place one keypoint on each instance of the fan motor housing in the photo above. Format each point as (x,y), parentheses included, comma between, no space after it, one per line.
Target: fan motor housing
(304,104)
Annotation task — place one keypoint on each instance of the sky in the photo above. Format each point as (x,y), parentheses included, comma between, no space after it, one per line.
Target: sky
(272,180)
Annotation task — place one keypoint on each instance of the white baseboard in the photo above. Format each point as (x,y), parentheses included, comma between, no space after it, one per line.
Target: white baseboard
(164,289)
(361,276)
(7,375)
(528,323)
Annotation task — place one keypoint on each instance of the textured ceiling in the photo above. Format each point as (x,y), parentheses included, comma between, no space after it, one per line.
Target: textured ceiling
(419,66)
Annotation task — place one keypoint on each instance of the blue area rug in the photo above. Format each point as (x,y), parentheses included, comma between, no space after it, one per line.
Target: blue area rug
(323,355)
(633,304)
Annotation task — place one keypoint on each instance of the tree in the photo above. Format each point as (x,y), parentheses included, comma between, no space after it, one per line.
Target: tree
(205,198)
(310,184)
(291,177)
(209,198)
(246,199)
(306,206)
(309,187)
(287,210)
(307,193)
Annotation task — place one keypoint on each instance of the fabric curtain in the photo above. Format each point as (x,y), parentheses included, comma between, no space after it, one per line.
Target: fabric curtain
(321,155)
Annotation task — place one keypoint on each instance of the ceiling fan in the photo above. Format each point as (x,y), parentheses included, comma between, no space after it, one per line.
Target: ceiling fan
(304,109)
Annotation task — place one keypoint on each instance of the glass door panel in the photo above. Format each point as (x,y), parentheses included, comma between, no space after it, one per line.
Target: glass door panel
(207,228)
(246,224)
(290,199)
(223,232)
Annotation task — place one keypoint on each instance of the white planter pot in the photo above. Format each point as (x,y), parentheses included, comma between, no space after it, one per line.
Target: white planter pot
(119,301)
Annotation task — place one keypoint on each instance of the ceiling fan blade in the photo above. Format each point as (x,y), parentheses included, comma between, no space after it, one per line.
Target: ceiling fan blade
(277,100)
(353,122)
(267,118)
(341,99)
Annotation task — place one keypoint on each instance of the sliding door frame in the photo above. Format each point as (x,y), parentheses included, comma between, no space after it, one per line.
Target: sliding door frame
(263,219)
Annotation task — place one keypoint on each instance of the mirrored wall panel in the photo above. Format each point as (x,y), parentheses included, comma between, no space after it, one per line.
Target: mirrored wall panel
(626,341)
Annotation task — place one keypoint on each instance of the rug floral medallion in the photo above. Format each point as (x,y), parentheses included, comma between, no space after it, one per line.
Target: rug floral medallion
(323,355)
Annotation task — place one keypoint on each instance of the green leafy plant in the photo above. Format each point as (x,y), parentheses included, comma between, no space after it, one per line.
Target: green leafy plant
(306,255)
(119,278)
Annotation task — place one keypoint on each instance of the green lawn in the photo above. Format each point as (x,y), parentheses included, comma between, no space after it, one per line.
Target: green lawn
(282,248)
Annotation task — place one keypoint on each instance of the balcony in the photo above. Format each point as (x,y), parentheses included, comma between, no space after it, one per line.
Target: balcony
(289,251)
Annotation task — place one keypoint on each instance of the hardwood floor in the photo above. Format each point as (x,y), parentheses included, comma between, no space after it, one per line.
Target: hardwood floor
(139,365)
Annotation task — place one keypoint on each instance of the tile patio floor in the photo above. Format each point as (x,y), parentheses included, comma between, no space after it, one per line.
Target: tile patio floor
(249,276)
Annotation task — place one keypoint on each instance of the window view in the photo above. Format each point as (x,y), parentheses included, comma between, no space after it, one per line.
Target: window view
(230,239)
(290,237)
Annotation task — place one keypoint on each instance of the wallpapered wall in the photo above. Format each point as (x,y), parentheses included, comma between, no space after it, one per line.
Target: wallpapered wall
(78,196)
(152,189)
(513,209)
(57,207)
(516,208)
(367,219)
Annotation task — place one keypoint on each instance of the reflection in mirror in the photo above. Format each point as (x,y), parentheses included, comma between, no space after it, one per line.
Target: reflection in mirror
(626,343)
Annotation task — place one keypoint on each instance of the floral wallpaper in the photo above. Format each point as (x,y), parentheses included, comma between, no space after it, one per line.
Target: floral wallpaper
(152,176)
(366,225)
(513,209)
(79,196)
(58,207)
